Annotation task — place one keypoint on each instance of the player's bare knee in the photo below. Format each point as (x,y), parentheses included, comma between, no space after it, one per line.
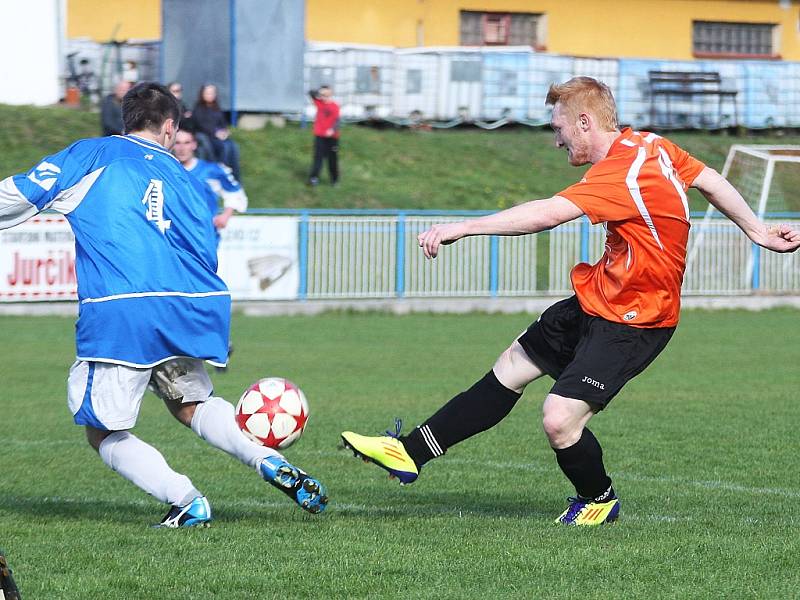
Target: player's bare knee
(183,412)
(562,431)
(96,436)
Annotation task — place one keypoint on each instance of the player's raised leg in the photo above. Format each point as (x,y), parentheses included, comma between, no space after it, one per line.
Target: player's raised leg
(185,388)
(580,458)
(477,409)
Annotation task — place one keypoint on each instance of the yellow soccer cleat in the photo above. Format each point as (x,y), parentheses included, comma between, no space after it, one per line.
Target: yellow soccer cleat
(585,511)
(385,451)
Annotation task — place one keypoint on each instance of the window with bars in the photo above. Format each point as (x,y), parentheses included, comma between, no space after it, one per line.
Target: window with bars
(500,29)
(710,38)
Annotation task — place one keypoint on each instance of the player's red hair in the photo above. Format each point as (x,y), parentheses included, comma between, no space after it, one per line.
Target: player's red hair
(585,94)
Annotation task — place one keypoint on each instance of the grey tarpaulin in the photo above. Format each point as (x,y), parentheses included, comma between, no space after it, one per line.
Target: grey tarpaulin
(251,49)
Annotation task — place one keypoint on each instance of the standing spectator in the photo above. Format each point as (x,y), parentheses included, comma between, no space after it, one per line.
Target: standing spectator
(209,119)
(111,109)
(326,135)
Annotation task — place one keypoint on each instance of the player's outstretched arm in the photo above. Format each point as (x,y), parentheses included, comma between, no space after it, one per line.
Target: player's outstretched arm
(15,208)
(530,217)
(725,198)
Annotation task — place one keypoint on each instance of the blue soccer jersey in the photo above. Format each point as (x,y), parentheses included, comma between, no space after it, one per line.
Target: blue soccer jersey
(222,183)
(145,250)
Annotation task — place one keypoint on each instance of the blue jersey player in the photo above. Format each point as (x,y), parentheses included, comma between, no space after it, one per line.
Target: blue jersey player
(218,177)
(151,306)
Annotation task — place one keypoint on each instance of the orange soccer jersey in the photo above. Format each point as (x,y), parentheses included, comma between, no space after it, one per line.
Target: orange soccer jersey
(639,191)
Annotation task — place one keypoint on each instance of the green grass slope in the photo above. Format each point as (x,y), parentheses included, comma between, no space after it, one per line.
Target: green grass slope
(381,168)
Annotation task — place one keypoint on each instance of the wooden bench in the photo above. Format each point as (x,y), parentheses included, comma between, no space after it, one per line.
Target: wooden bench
(667,86)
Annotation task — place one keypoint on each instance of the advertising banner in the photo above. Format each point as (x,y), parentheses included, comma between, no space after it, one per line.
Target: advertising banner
(37,261)
(258,258)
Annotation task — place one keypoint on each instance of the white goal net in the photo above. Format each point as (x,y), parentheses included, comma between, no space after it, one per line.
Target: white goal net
(768,177)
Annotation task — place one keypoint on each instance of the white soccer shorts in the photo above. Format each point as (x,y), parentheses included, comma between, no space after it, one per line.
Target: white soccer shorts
(108,396)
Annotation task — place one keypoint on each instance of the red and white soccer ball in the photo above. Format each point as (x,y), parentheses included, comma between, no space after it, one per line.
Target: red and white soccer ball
(272,412)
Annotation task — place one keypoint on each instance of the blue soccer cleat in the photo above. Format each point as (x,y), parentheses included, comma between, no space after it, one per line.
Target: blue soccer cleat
(295,483)
(195,514)
(586,511)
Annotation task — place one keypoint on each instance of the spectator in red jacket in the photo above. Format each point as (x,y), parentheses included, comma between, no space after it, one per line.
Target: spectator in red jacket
(326,135)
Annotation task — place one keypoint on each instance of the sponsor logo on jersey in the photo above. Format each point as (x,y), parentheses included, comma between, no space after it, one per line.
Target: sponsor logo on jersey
(630,316)
(154,202)
(594,382)
(44,175)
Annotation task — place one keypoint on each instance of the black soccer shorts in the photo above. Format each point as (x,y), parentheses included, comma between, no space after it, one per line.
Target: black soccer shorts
(589,357)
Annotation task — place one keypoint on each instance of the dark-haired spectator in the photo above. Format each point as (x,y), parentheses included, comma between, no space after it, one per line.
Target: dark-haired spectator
(210,120)
(205,150)
(111,109)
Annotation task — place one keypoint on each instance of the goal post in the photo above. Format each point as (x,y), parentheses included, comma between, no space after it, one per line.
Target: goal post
(768,178)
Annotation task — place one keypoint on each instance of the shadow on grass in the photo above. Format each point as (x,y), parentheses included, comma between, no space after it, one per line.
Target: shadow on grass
(83,509)
(435,505)
(476,504)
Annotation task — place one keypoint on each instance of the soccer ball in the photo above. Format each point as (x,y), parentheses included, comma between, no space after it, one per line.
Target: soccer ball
(272,412)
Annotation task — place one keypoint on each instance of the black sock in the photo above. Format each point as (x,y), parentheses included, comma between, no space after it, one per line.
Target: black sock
(582,463)
(481,407)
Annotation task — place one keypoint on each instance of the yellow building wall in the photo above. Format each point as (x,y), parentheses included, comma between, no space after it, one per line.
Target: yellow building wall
(122,19)
(614,28)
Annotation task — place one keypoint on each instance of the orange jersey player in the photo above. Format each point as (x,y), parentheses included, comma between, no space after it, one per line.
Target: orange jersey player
(625,306)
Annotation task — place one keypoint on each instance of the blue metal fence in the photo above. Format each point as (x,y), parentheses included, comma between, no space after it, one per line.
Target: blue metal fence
(372,253)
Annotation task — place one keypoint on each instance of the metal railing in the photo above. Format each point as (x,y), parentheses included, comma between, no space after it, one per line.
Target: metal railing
(374,254)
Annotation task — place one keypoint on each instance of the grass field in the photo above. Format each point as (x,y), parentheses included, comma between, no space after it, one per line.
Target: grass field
(381,168)
(702,447)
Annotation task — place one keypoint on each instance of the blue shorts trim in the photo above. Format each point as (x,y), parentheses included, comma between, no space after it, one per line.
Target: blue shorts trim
(85,414)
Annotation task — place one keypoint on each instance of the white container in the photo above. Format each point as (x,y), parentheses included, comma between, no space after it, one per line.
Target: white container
(459,83)
(507,82)
(416,84)
(361,76)
(602,69)
(546,69)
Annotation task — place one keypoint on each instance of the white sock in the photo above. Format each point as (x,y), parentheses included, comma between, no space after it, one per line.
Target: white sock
(143,465)
(214,421)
